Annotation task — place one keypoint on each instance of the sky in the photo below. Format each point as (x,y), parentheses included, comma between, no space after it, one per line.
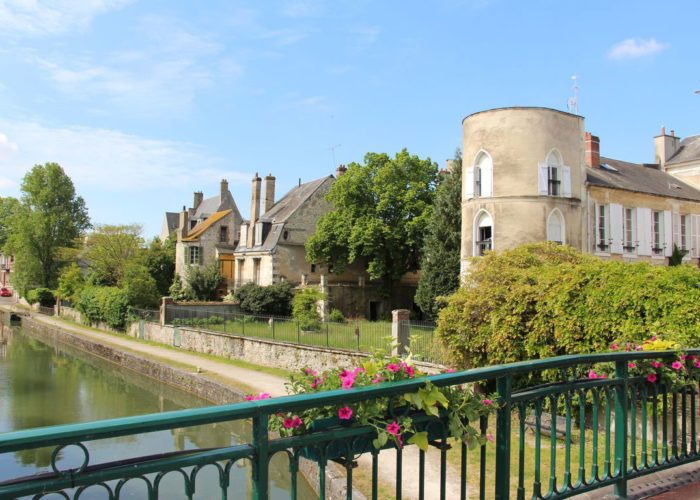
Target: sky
(144,102)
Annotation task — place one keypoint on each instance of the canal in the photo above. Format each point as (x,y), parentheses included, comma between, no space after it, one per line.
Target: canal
(42,384)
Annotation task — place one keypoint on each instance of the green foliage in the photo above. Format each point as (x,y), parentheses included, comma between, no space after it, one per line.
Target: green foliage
(159,259)
(676,258)
(441,253)
(337,316)
(71,283)
(203,280)
(43,296)
(103,303)
(50,217)
(381,213)
(140,286)
(304,308)
(8,207)
(543,299)
(110,250)
(262,300)
(178,292)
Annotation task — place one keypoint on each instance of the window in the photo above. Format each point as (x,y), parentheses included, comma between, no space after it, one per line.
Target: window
(223,236)
(602,225)
(313,268)
(194,255)
(477,181)
(555,227)
(554,177)
(629,227)
(657,232)
(685,233)
(482,175)
(483,233)
(553,180)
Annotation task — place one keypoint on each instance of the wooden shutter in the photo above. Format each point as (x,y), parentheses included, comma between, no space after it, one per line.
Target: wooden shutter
(469,183)
(615,228)
(542,179)
(644,231)
(695,235)
(668,232)
(566,181)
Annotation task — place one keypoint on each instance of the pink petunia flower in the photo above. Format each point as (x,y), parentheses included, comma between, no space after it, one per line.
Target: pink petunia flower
(487,402)
(317,382)
(592,374)
(263,395)
(490,436)
(656,364)
(348,382)
(602,375)
(631,365)
(449,370)
(653,339)
(393,428)
(345,413)
(697,363)
(677,365)
(345,374)
(651,377)
(613,347)
(683,356)
(288,422)
(358,370)
(409,369)
(249,398)
(376,380)
(296,422)
(392,367)
(638,348)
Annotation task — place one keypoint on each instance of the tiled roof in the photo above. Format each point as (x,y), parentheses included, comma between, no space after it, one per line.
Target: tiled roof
(640,178)
(197,230)
(689,149)
(172,219)
(290,202)
(207,207)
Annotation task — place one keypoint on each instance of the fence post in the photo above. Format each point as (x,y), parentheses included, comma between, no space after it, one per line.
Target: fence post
(400,329)
(621,429)
(261,459)
(503,422)
(165,301)
(243,325)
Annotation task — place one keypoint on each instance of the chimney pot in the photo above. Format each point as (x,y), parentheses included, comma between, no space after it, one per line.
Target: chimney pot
(663,130)
(269,198)
(340,171)
(672,133)
(223,190)
(592,150)
(254,210)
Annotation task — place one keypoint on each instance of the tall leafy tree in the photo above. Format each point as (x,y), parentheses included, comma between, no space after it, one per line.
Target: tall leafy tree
(381,213)
(160,261)
(8,206)
(51,216)
(110,250)
(441,253)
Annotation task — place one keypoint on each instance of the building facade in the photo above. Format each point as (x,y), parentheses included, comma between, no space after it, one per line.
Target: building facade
(535,174)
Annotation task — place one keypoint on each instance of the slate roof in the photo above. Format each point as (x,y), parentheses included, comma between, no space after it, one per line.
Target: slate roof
(197,230)
(689,149)
(290,202)
(207,207)
(641,179)
(172,219)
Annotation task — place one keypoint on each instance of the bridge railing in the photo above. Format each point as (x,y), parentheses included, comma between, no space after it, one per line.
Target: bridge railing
(599,432)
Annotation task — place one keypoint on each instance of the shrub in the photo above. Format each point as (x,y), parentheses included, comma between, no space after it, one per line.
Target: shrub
(203,281)
(337,316)
(71,283)
(215,320)
(265,300)
(304,309)
(104,303)
(541,300)
(141,288)
(43,296)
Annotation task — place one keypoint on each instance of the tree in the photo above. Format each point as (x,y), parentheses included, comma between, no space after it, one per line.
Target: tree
(141,288)
(110,250)
(441,253)
(380,216)
(273,299)
(160,261)
(71,283)
(305,308)
(51,216)
(203,281)
(8,206)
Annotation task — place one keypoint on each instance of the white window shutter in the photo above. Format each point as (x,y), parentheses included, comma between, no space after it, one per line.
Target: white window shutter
(644,231)
(668,232)
(542,179)
(469,183)
(486,179)
(615,228)
(695,235)
(566,181)
(676,229)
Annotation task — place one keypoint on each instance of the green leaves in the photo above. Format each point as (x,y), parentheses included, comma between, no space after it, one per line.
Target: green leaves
(420,439)
(381,439)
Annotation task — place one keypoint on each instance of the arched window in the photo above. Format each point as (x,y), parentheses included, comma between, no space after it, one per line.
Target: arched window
(483,232)
(554,176)
(483,175)
(555,227)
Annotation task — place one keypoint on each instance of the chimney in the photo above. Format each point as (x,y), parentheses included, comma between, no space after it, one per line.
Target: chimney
(198,197)
(254,210)
(269,199)
(224,190)
(183,224)
(450,165)
(665,146)
(592,150)
(340,171)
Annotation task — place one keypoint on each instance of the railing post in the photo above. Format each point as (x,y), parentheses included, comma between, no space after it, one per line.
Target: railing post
(621,429)
(503,420)
(260,463)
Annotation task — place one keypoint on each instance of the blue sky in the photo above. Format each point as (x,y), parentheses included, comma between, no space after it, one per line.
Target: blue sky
(144,102)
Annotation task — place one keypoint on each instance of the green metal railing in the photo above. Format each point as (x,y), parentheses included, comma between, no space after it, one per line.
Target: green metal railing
(628,428)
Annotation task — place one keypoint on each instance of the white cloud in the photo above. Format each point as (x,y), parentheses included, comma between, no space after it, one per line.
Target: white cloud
(636,47)
(51,17)
(7,148)
(8,184)
(111,160)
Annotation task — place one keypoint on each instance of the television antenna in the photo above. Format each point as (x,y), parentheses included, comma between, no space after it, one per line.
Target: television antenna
(332,150)
(573,101)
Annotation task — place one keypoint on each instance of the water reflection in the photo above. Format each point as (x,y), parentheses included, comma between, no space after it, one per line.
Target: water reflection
(43,384)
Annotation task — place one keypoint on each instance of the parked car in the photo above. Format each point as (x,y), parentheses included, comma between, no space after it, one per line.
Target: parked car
(5,292)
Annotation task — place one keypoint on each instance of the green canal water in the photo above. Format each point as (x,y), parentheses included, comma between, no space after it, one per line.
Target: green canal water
(42,384)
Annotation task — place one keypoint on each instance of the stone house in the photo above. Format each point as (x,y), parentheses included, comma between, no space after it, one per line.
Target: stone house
(534,174)
(207,231)
(7,263)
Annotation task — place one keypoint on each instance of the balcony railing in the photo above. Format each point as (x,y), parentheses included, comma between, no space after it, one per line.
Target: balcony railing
(628,428)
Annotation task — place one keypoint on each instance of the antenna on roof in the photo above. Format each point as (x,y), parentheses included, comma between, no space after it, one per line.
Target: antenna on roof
(573,101)
(332,149)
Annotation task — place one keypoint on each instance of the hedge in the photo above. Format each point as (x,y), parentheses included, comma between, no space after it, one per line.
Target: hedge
(104,303)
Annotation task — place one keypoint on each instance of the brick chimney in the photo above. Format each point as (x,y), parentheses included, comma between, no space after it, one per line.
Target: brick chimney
(340,171)
(269,199)
(592,150)
(224,190)
(198,197)
(254,210)
(665,146)
(183,224)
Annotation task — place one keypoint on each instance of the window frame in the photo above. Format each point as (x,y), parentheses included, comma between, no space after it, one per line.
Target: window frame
(602,231)
(657,233)
(630,239)
(481,245)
